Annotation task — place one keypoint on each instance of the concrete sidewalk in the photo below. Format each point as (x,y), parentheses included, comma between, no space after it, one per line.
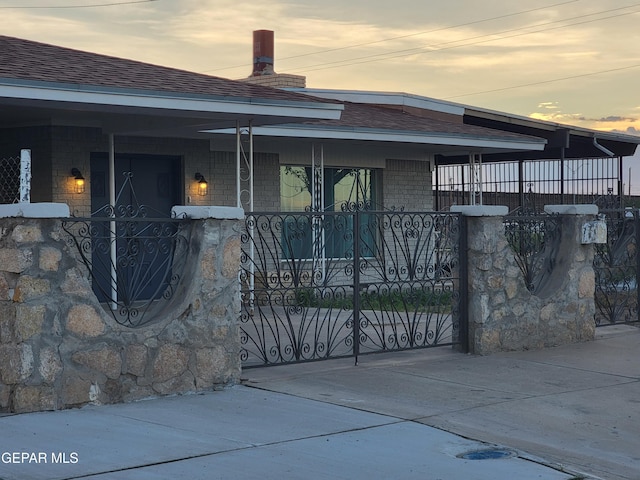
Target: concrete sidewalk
(559,413)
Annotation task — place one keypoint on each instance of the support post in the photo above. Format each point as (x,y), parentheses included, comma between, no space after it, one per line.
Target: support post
(25,176)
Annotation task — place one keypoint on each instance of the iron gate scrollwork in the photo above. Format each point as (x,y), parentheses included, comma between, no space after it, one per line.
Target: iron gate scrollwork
(616,268)
(320,285)
(534,239)
(135,260)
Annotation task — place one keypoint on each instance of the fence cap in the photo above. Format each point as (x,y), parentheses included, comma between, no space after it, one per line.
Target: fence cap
(208,211)
(35,210)
(480,210)
(571,209)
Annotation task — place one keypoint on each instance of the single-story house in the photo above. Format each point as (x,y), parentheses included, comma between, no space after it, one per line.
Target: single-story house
(112,137)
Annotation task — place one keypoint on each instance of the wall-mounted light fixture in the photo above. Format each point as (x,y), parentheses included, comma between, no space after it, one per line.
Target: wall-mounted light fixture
(203,186)
(78,180)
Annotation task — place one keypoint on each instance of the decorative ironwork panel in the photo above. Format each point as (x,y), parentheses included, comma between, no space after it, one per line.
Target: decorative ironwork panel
(616,269)
(535,239)
(409,280)
(331,284)
(296,308)
(150,257)
(135,261)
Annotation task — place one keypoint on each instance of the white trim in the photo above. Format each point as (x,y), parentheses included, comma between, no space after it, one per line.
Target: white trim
(385,98)
(166,101)
(424,138)
(35,210)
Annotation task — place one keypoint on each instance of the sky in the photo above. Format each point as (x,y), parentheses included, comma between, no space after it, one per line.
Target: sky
(569,61)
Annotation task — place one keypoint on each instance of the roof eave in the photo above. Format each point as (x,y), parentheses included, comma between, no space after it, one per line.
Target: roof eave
(66,94)
(549,125)
(419,138)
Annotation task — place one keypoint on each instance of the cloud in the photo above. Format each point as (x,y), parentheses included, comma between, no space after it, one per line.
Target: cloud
(612,118)
(549,105)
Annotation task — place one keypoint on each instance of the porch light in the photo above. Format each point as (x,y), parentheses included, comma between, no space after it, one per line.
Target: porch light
(79,180)
(203,186)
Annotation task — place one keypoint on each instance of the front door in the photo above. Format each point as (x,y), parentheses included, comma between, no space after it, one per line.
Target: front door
(147,186)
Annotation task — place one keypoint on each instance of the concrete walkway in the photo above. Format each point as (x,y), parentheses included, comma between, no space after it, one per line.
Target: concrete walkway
(559,413)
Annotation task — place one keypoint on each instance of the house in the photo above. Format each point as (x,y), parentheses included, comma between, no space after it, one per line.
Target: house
(147,138)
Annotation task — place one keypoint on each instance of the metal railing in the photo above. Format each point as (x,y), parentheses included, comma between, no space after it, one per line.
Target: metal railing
(527,184)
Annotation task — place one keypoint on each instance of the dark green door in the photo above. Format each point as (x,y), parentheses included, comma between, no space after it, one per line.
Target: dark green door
(147,186)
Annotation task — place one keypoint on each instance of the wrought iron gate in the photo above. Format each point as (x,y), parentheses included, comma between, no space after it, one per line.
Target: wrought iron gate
(616,269)
(320,285)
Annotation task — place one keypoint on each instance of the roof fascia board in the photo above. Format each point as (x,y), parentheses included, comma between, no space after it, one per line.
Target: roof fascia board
(170,101)
(548,125)
(396,137)
(385,98)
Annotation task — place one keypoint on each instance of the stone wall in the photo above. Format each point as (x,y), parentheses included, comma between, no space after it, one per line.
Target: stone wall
(59,348)
(503,314)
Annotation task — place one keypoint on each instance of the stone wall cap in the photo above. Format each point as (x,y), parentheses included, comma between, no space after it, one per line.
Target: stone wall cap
(35,210)
(480,210)
(571,209)
(208,211)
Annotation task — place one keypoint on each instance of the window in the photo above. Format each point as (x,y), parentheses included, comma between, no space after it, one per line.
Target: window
(331,190)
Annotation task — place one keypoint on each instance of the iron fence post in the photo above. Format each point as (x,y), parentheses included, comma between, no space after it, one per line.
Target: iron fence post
(356,284)
(636,219)
(463,307)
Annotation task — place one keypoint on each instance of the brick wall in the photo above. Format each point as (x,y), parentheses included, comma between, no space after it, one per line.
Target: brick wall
(278,80)
(407,184)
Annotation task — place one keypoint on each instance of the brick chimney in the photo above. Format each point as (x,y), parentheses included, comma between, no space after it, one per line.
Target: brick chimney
(262,53)
(263,62)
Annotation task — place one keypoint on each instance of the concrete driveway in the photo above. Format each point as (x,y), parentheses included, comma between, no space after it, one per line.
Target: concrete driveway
(575,407)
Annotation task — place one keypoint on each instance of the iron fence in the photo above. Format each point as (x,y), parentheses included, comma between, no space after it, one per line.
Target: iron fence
(318,285)
(616,269)
(535,240)
(527,184)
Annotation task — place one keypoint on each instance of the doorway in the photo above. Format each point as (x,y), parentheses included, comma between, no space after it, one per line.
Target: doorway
(147,187)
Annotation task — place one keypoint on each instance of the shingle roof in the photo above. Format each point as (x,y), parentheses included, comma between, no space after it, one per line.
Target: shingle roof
(366,116)
(33,61)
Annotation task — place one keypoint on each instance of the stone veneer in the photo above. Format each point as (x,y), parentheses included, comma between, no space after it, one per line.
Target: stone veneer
(59,348)
(503,314)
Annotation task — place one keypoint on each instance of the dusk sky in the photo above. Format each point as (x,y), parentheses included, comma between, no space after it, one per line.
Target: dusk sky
(569,61)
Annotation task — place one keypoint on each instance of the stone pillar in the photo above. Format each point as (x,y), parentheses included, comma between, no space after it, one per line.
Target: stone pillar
(59,347)
(503,314)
